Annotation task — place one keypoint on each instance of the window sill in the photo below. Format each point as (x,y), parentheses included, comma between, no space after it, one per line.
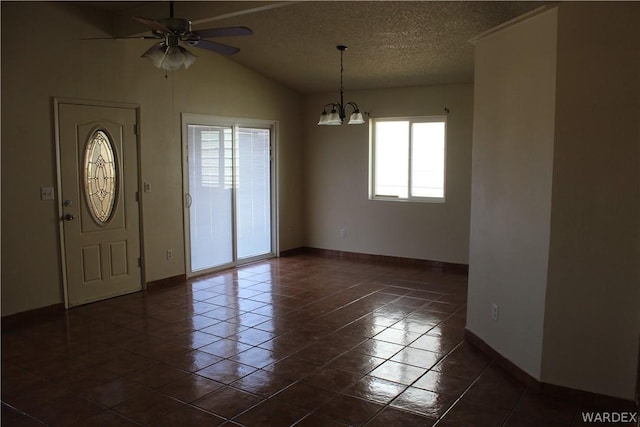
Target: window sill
(438,200)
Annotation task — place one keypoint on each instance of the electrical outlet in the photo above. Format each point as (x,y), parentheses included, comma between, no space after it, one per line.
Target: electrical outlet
(494,312)
(47,193)
(343,232)
(169,253)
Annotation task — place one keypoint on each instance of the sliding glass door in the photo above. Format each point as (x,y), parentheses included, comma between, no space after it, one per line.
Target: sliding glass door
(228,192)
(210,197)
(253,192)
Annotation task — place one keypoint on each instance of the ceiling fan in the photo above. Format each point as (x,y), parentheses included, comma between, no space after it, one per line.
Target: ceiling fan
(169,54)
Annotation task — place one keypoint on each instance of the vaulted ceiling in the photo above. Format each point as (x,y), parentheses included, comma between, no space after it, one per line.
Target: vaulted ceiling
(391,43)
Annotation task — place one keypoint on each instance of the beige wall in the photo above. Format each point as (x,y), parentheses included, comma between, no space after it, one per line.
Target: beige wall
(511,191)
(336,179)
(592,319)
(40,61)
(555,216)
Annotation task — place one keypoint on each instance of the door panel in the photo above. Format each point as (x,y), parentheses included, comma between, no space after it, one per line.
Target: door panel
(100,212)
(253,192)
(210,188)
(119,258)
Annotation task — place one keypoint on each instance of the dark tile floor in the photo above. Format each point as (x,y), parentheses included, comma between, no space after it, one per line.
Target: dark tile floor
(300,340)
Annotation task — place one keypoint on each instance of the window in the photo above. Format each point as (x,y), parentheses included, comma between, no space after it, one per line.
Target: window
(407,159)
(100,176)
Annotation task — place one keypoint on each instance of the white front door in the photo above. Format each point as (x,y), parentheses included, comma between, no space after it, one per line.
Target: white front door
(98,176)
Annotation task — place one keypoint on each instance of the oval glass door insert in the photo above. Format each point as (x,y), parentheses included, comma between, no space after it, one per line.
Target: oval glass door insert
(100,176)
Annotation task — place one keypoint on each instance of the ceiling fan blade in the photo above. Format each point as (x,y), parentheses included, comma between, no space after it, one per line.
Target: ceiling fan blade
(224,32)
(153,24)
(215,47)
(119,38)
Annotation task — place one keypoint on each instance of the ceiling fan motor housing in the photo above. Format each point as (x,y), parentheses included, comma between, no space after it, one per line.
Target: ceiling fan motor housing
(178,26)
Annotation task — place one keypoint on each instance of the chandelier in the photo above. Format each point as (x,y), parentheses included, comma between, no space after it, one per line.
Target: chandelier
(338,109)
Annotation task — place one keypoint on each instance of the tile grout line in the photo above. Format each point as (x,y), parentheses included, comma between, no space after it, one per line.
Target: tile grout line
(440,418)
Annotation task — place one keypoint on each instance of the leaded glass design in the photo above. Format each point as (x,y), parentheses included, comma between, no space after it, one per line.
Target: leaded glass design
(100,176)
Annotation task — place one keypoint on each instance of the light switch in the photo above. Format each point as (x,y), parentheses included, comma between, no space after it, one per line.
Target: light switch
(46,193)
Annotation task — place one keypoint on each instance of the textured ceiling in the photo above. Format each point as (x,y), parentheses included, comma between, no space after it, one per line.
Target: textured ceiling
(391,43)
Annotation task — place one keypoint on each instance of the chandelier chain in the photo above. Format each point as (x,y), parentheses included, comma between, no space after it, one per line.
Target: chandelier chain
(341,71)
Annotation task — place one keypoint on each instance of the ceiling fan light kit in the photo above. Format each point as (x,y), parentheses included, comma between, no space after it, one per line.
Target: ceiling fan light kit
(338,111)
(168,57)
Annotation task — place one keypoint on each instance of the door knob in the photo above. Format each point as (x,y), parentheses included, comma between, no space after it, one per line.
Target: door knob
(68,217)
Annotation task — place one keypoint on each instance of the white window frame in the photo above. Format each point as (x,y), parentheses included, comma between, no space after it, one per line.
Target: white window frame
(372,159)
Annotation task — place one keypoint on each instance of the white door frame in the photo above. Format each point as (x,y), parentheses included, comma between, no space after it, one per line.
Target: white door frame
(56,116)
(203,119)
